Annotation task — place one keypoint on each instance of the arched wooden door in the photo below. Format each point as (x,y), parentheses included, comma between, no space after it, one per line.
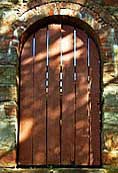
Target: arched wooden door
(59,98)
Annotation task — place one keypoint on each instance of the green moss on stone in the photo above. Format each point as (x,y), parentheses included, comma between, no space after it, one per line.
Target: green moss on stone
(8,93)
(8,74)
(7,135)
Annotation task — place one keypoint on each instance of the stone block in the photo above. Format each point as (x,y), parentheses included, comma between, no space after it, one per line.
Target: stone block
(7,74)
(110,152)
(110,158)
(109,73)
(2,111)
(8,93)
(8,55)
(7,141)
(110,121)
(8,109)
(111,99)
(8,159)
(110,108)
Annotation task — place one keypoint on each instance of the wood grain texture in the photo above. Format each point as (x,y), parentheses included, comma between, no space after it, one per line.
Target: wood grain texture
(59,127)
(53,132)
(39,131)
(68,97)
(82,138)
(26,105)
(95,103)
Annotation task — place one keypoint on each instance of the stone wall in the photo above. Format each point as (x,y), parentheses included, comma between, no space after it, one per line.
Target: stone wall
(16,16)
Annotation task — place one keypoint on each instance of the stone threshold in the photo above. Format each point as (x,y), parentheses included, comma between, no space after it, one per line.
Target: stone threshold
(60,170)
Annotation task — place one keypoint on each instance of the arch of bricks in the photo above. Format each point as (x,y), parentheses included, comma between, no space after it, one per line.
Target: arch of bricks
(32,12)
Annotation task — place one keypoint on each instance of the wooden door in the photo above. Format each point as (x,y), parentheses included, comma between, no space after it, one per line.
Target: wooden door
(59,99)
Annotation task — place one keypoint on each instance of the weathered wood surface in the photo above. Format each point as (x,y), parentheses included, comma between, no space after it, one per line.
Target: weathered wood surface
(59,121)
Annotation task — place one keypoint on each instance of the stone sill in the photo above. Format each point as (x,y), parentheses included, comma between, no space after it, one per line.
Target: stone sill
(108,169)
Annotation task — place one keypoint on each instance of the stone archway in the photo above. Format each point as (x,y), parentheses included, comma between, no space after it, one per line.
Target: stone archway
(23,16)
(63,114)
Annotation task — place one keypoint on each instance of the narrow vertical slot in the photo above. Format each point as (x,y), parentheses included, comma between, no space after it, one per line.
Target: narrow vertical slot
(47,86)
(33,46)
(33,55)
(89,102)
(75,78)
(61,91)
(47,45)
(75,54)
(88,52)
(47,61)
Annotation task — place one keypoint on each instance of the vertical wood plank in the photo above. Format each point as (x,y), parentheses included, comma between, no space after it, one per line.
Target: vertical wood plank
(39,131)
(26,105)
(53,133)
(82,137)
(95,103)
(68,97)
